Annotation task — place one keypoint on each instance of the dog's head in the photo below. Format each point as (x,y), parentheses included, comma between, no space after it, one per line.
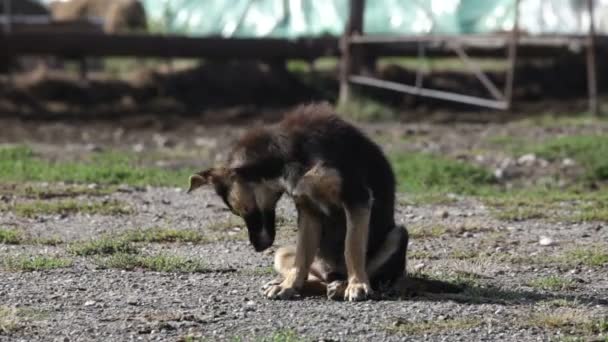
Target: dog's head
(250,192)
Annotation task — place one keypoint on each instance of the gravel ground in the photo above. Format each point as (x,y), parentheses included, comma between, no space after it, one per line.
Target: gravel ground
(84,302)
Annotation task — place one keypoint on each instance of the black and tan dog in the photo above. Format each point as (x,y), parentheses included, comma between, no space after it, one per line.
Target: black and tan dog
(344,191)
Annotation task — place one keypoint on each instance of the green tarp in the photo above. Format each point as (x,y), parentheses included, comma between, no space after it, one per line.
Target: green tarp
(297,18)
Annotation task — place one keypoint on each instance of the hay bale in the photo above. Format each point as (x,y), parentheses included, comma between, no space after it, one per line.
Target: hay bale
(25,7)
(118,15)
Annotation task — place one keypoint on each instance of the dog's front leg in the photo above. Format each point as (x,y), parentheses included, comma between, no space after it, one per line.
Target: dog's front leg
(357,229)
(309,234)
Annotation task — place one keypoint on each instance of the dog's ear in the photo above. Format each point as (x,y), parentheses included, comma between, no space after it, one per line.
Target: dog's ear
(209,176)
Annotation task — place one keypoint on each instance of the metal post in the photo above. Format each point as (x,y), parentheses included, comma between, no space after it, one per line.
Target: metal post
(591,63)
(512,56)
(351,58)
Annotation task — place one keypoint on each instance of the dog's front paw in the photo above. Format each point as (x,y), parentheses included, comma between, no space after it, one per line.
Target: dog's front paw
(336,289)
(357,291)
(271,283)
(280,292)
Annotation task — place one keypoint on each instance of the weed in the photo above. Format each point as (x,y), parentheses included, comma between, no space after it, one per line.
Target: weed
(577,321)
(34,263)
(10,236)
(66,207)
(590,256)
(158,263)
(553,283)
(102,246)
(160,235)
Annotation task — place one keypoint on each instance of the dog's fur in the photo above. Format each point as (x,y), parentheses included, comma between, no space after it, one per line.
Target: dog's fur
(344,191)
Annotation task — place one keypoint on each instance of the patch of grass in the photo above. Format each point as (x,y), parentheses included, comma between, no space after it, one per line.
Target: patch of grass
(362,108)
(162,235)
(590,256)
(462,254)
(8,319)
(67,207)
(17,237)
(11,236)
(425,173)
(520,213)
(102,246)
(34,263)
(423,231)
(158,263)
(20,164)
(589,150)
(405,327)
(553,283)
(573,321)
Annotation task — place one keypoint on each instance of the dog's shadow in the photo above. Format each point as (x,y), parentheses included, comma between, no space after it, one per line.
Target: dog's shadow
(420,288)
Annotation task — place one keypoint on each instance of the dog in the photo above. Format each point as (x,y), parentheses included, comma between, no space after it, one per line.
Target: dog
(343,188)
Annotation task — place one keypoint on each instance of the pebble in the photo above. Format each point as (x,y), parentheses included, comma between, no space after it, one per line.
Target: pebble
(546,241)
(89,303)
(527,159)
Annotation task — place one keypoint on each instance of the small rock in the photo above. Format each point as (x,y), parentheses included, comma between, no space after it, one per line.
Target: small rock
(442,213)
(138,148)
(566,162)
(499,174)
(546,241)
(89,303)
(527,159)
(165,201)
(93,148)
(467,234)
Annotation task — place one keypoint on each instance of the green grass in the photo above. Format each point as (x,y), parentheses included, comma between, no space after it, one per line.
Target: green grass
(552,283)
(589,256)
(425,173)
(68,207)
(158,263)
(102,246)
(17,237)
(163,235)
(33,263)
(361,108)
(20,164)
(10,236)
(589,150)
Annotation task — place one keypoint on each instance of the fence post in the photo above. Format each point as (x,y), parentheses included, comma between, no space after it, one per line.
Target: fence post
(351,55)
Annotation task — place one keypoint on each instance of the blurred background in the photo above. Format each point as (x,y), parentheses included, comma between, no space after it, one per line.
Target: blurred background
(410,59)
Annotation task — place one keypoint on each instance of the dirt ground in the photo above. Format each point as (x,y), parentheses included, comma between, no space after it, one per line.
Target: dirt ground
(520,284)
